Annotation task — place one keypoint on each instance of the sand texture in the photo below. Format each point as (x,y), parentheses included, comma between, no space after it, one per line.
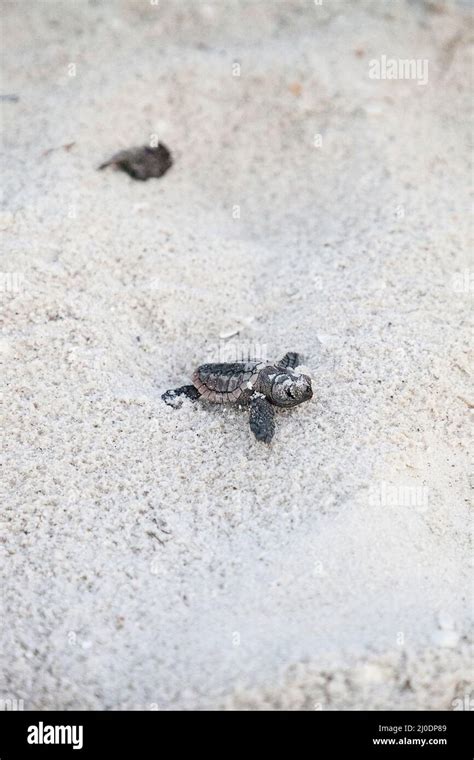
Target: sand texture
(155,558)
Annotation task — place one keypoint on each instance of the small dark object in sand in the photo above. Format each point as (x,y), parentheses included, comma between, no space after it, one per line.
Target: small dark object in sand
(9,98)
(254,384)
(142,163)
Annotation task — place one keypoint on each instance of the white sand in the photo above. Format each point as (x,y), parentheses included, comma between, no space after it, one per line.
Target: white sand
(163,559)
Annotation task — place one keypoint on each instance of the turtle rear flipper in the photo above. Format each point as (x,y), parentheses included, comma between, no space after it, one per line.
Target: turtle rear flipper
(262,423)
(173,396)
(290,360)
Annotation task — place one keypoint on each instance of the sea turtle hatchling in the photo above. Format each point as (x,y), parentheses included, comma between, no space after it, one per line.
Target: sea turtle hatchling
(252,383)
(143,162)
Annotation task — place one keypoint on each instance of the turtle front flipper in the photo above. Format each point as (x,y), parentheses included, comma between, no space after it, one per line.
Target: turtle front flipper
(173,396)
(291,360)
(262,423)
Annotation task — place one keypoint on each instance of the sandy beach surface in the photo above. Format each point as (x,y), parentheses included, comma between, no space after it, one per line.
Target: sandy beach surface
(163,559)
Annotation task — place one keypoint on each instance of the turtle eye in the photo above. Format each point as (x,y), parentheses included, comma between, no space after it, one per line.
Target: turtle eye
(289,393)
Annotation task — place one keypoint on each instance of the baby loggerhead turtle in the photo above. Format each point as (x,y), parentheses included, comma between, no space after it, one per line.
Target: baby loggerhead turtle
(143,162)
(253,383)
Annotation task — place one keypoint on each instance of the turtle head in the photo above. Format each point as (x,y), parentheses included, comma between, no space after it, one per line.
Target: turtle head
(288,388)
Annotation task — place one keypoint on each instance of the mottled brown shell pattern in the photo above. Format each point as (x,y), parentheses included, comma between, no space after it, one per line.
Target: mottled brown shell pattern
(226,383)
